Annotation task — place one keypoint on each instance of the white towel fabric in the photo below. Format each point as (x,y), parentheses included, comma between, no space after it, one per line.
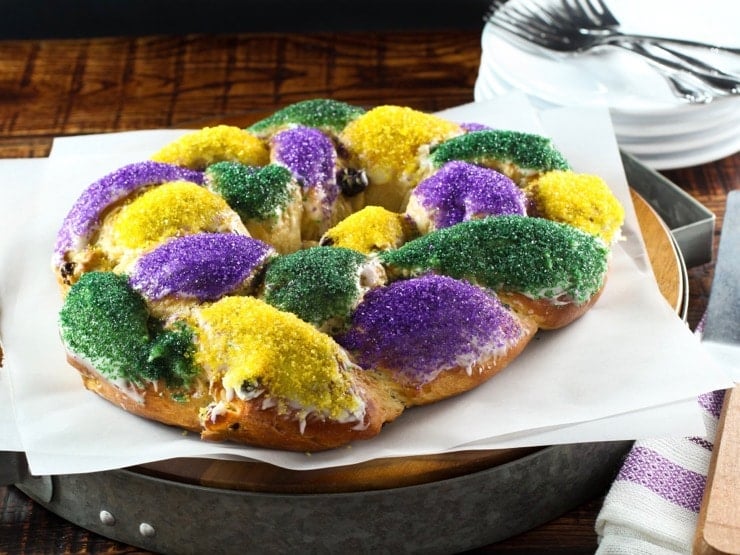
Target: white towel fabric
(653,505)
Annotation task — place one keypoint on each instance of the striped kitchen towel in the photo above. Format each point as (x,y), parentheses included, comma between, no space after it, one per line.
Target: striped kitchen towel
(653,505)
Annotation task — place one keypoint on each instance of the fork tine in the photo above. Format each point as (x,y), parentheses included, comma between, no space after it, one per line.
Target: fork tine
(536,16)
(558,18)
(517,25)
(527,21)
(588,13)
(582,11)
(532,38)
(546,12)
(552,19)
(517,33)
(494,7)
(576,11)
(602,13)
(523,22)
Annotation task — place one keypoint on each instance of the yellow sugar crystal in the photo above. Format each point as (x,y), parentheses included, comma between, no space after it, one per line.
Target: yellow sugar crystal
(199,149)
(253,345)
(581,200)
(169,210)
(372,229)
(390,137)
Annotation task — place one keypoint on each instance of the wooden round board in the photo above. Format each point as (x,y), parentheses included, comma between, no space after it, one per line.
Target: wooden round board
(397,472)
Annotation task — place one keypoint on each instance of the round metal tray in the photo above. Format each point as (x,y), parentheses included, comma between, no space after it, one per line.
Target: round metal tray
(443,516)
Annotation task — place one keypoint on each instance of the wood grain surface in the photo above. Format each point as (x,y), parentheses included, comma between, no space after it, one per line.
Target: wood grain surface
(54,88)
(664,256)
(718,531)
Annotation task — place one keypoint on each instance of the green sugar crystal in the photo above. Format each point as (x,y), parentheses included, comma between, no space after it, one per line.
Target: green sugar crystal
(319,284)
(526,150)
(321,113)
(171,355)
(253,193)
(537,257)
(106,323)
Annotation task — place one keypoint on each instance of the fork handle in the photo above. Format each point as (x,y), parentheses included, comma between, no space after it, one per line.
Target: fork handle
(613,36)
(697,64)
(725,83)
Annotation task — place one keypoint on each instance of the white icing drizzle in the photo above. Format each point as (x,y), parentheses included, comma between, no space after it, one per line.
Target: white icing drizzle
(217,409)
(125,386)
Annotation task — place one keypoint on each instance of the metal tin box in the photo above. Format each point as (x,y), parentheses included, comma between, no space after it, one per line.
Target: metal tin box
(691,224)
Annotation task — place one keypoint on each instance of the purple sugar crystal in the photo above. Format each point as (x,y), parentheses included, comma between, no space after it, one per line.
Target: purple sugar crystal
(419,326)
(84,216)
(471,127)
(310,156)
(460,191)
(205,266)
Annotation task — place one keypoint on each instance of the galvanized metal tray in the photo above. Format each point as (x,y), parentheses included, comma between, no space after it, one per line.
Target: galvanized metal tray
(691,223)
(443,516)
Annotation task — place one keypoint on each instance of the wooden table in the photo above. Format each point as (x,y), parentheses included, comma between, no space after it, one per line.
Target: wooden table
(54,88)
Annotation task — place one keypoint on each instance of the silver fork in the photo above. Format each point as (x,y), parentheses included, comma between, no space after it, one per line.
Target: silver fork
(575,26)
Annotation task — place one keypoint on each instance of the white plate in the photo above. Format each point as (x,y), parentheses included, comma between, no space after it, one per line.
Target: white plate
(649,121)
(688,119)
(580,81)
(717,138)
(615,79)
(690,157)
(666,128)
(488,86)
(692,118)
(611,77)
(725,127)
(726,109)
(726,132)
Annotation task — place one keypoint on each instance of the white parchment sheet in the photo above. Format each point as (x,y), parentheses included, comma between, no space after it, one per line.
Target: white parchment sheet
(629,368)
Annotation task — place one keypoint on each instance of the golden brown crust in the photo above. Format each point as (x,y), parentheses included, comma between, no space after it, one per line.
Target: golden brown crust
(548,315)
(157,403)
(246,421)
(457,380)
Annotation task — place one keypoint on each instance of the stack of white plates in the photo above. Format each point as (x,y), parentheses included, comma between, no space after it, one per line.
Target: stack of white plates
(650,121)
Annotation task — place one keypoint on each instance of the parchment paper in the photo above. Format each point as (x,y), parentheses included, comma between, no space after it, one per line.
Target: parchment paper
(629,368)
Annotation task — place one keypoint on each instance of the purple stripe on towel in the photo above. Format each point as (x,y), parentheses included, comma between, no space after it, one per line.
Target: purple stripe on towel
(670,481)
(712,402)
(701,442)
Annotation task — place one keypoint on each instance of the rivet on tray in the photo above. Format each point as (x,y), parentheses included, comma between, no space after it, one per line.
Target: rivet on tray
(107,518)
(146,530)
